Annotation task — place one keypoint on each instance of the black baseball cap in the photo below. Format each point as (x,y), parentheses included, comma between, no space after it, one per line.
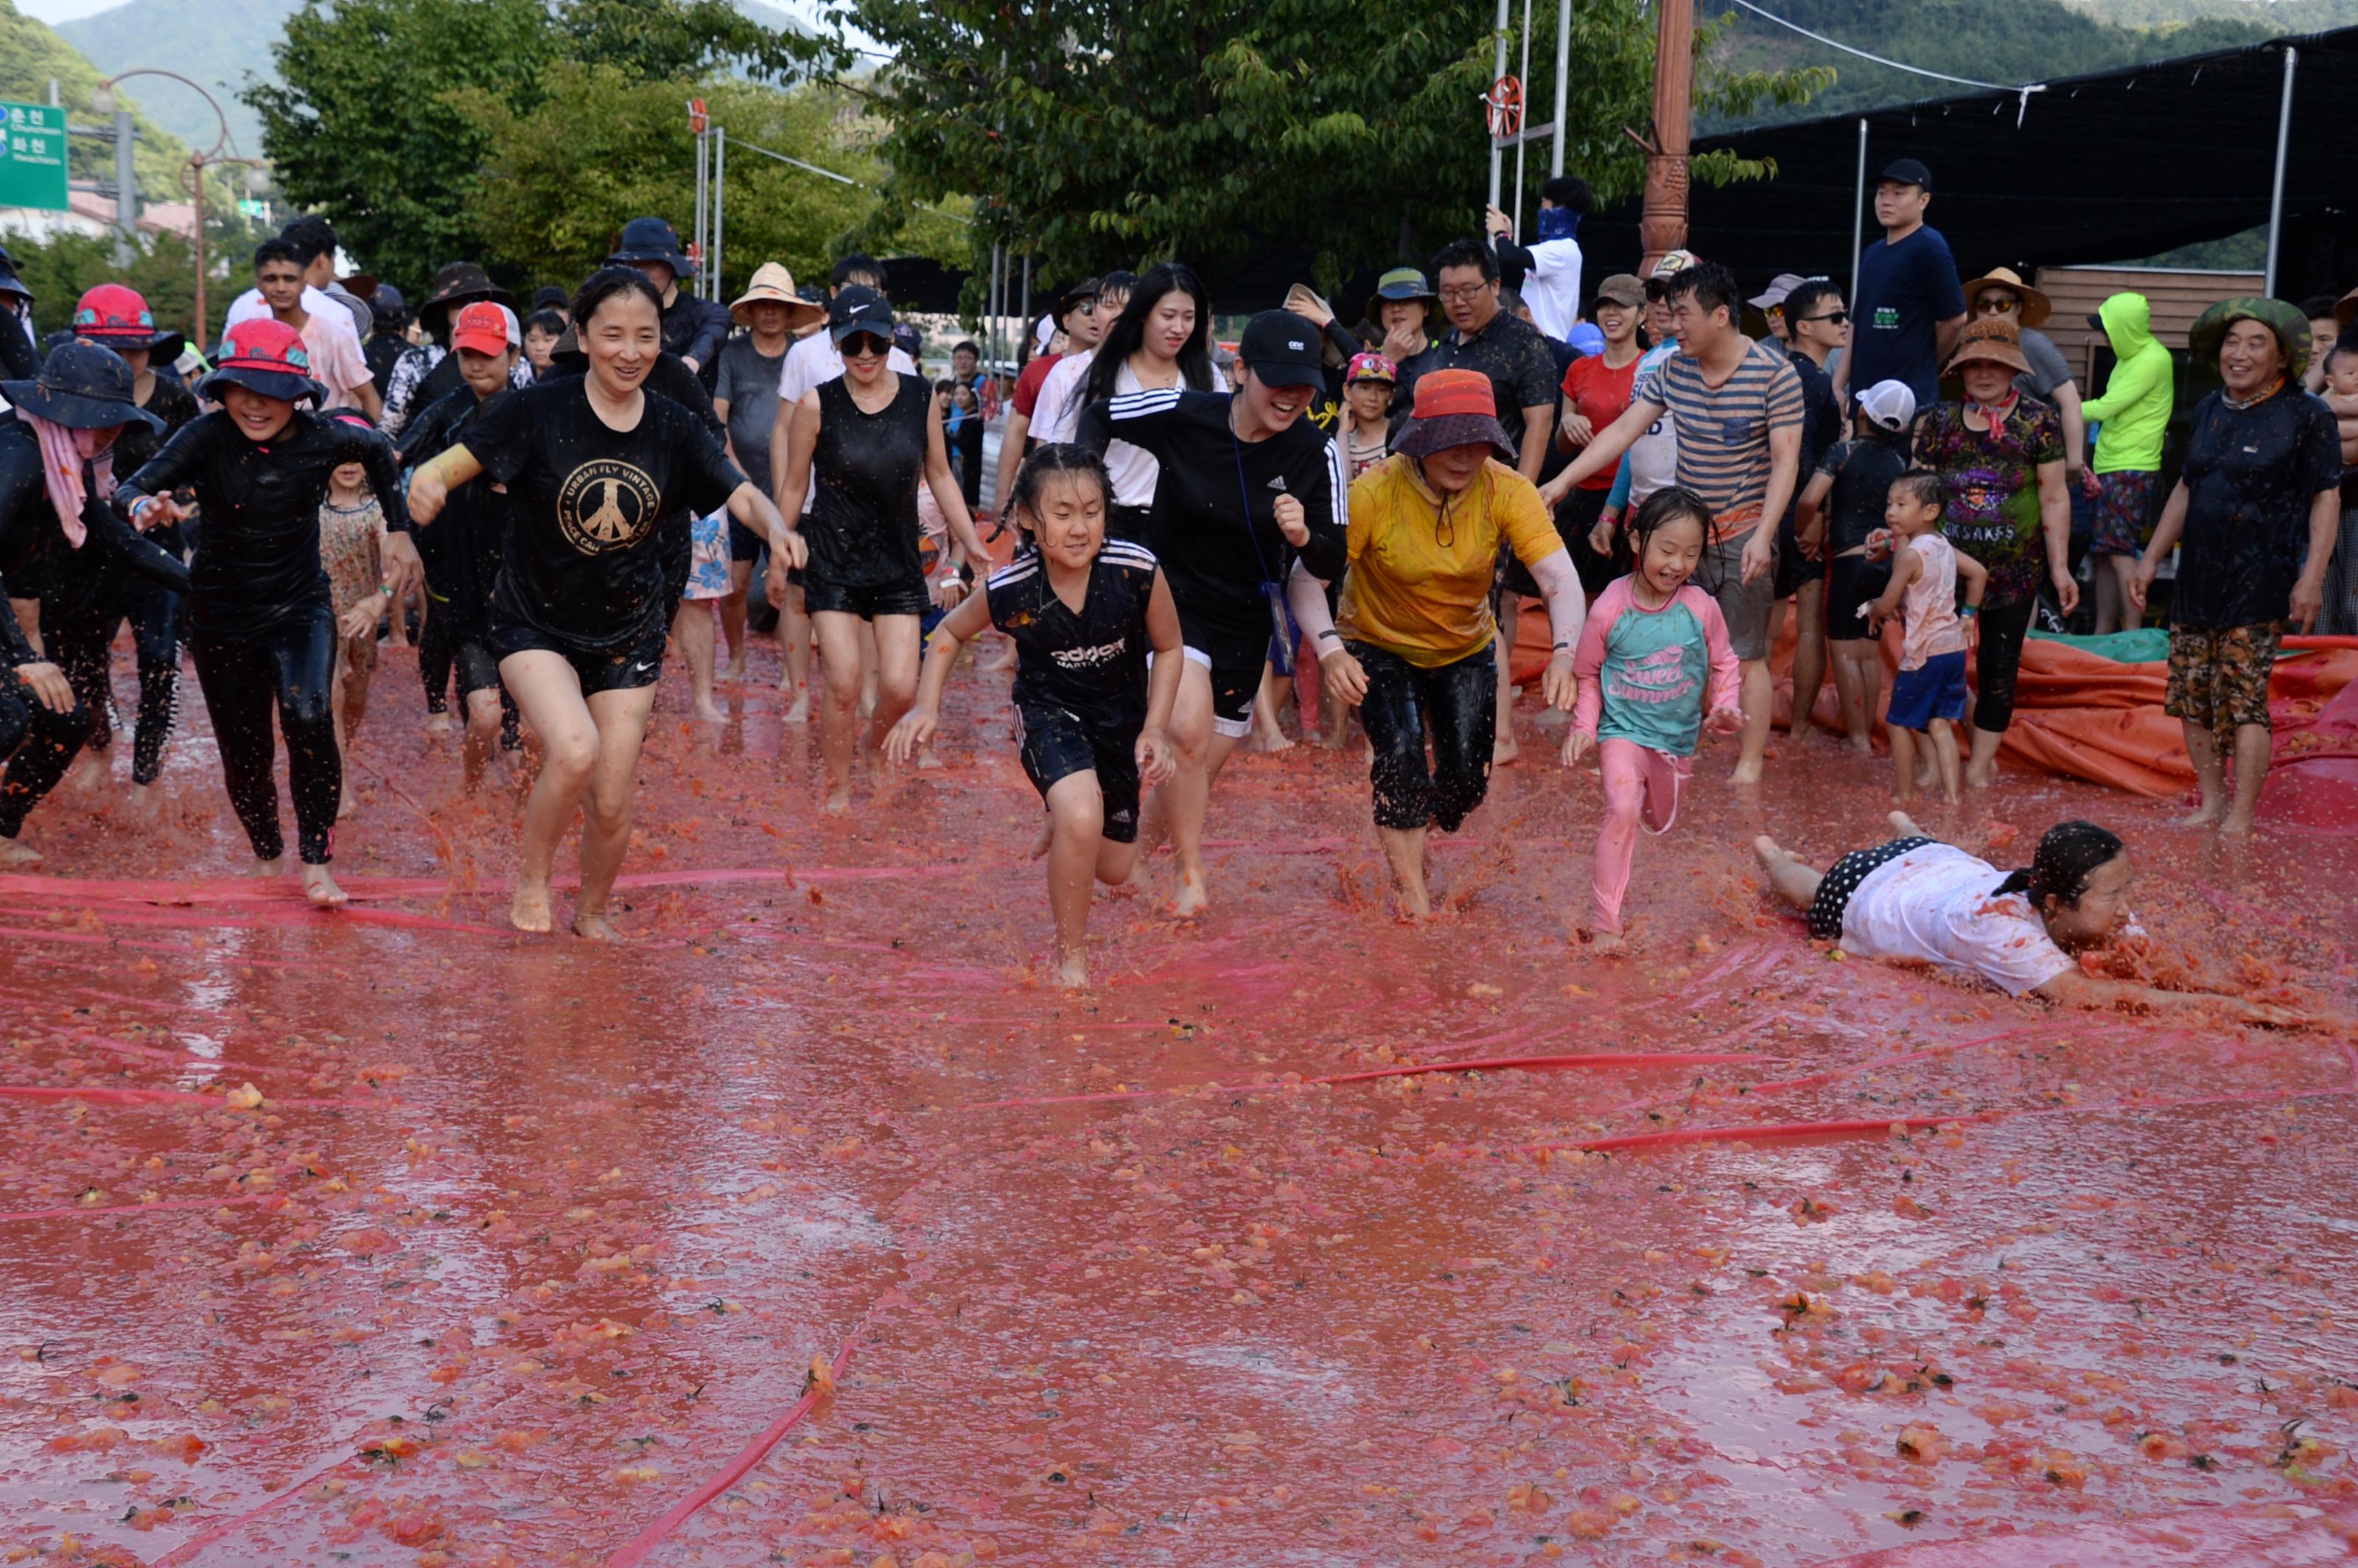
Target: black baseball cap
(1283,350)
(858,309)
(1906,171)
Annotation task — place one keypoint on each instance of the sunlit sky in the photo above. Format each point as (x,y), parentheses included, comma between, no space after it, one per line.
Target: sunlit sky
(67,10)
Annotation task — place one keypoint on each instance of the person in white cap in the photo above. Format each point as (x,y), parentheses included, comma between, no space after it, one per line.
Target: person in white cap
(1770,303)
(1842,507)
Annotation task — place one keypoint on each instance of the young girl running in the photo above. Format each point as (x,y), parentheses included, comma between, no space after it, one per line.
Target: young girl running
(1654,665)
(265,631)
(1083,614)
(351,528)
(594,464)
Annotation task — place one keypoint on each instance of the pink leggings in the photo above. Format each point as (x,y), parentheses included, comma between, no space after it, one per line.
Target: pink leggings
(1640,784)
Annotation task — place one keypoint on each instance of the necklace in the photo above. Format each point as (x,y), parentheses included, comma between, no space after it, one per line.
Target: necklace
(2239,404)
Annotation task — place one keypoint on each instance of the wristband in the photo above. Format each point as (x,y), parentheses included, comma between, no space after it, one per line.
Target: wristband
(1330,632)
(1969,612)
(1563,647)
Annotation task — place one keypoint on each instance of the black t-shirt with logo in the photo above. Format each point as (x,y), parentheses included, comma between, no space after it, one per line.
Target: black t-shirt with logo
(460,549)
(582,563)
(1089,662)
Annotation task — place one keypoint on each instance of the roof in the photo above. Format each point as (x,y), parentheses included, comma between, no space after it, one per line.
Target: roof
(2114,164)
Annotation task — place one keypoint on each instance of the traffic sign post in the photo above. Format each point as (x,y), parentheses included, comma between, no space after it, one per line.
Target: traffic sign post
(33,157)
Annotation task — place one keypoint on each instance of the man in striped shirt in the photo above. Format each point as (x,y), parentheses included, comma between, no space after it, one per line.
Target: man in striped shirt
(1737,408)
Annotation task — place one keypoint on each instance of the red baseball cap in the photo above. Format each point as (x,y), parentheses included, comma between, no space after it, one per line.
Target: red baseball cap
(482,326)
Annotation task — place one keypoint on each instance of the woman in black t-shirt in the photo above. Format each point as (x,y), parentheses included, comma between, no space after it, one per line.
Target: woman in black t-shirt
(264,630)
(579,611)
(865,441)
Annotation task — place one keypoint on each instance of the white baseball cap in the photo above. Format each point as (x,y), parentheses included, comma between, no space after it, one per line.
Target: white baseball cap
(1889,404)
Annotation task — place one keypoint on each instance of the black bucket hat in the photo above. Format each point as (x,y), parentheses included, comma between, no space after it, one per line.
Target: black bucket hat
(83,387)
(458,283)
(265,356)
(651,240)
(10,282)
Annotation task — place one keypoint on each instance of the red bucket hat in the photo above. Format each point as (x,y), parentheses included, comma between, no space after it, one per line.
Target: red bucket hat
(119,318)
(1453,408)
(265,356)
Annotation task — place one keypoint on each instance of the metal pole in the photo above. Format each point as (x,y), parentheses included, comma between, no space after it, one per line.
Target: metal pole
(202,342)
(997,294)
(2276,196)
(1858,217)
(1520,140)
(720,196)
(703,165)
(1027,293)
(1563,76)
(126,190)
(1498,69)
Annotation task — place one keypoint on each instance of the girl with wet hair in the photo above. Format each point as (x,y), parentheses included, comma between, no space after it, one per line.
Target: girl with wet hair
(1091,618)
(1917,899)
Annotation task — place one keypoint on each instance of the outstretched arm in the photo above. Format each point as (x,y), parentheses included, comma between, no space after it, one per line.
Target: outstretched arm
(916,727)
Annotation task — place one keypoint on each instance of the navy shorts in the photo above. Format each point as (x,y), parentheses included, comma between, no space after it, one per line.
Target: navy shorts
(744,544)
(889,599)
(627,668)
(1055,744)
(1933,689)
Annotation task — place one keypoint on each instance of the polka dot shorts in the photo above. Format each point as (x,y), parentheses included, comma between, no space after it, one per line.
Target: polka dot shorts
(1842,880)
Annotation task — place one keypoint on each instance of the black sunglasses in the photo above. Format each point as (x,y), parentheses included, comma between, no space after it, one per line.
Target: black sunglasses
(1839,318)
(860,344)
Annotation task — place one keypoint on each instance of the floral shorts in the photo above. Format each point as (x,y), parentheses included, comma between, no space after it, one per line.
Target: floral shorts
(2124,513)
(2219,679)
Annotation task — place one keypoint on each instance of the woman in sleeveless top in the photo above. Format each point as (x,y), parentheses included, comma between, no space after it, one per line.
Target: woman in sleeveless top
(859,446)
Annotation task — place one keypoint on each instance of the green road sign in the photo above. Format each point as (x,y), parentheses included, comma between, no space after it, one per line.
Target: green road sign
(33,157)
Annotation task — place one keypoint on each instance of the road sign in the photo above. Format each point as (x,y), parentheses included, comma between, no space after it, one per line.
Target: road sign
(33,157)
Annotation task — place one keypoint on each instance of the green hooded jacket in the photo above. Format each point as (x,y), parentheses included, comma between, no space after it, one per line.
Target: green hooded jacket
(2135,406)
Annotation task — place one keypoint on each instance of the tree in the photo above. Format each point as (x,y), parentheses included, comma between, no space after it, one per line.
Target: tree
(1096,134)
(32,57)
(361,123)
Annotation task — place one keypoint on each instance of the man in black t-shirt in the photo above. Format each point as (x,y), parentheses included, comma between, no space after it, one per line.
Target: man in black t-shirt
(1815,326)
(1482,336)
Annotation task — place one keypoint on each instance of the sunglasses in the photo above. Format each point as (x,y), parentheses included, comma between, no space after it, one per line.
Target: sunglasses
(866,345)
(1839,318)
(2003,304)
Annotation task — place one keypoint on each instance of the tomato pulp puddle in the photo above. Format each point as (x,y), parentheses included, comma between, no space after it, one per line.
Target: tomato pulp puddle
(393,1238)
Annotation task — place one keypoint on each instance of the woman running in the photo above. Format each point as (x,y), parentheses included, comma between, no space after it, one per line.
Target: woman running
(593,463)
(262,630)
(1084,613)
(1244,487)
(57,469)
(1415,651)
(117,317)
(1162,339)
(867,440)
(1920,901)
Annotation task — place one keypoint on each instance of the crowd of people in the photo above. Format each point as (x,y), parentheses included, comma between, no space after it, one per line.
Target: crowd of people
(551,496)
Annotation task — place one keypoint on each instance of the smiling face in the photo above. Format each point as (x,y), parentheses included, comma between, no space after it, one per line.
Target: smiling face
(1067,518)
(1452,469)
(1275,408)
(1616,320)
(866,358)
(2099,911)
(1672,553)
(623,337)
(258,419)
(2249,358)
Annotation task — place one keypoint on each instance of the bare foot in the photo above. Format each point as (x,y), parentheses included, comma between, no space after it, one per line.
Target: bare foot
(528,910)
(1861,744)
(591,925)
(798,710)
(16,857)
(319,887)
(1072,972)
(838,801)
(1746,773)
(1505,751)
(1269,742)
(1769,853)
(347,804)
(439,724)
(1607,943)
(1980,778)
(88,773)
(2238,824)
(1904,825)
(708,712)
(734,670)
(1192,899)
(142,805)
(274,867)
(2203,816)
(1802,734)
(1414,904)
(1047,837)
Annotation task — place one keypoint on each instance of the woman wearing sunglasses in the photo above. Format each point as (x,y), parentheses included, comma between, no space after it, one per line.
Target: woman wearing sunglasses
(859,446)
(2001,292)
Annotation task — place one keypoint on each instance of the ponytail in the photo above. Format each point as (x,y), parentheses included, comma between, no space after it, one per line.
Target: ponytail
(2067,854)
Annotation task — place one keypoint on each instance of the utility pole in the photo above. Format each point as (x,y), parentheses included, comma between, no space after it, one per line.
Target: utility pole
(1663,226)
(126,190)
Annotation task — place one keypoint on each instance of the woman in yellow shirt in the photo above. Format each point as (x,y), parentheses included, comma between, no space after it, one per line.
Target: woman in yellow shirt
(1413,646)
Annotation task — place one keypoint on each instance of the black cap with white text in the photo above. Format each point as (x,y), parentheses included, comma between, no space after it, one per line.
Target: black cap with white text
(1283,350)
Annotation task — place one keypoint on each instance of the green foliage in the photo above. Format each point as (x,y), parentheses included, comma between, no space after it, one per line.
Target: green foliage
(597,148)
(32,55)
(686,40)
(1108,134)
(163,269)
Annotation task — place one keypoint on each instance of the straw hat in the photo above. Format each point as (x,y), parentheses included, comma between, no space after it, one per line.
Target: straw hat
(2036,306)
(776,285)
(1991,338)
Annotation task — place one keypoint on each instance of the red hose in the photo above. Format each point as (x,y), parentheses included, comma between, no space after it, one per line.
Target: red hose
(1491,1063)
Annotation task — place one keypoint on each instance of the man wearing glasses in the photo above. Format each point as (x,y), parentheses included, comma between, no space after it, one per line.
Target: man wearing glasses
(1816,327)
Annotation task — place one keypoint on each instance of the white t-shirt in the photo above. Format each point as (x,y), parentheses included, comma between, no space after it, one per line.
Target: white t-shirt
(1057,417)
(1938,905)
(1551,287)
(1653,457)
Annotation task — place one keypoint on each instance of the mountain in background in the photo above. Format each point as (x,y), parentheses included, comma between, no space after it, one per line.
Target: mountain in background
(2279,16)
(219,44)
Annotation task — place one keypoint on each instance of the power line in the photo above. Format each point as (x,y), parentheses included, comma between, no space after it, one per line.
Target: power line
(2021,91)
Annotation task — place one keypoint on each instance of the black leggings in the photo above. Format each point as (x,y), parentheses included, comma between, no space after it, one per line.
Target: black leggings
(1459,703)
(40,744)
(435,649)
(289,666)
(83,648)
(2003,628)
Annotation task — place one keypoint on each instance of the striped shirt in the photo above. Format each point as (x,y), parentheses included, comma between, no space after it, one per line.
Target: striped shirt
(1723,431)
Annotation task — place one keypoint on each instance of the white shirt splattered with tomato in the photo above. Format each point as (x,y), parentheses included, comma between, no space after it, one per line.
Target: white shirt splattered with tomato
(1938,905)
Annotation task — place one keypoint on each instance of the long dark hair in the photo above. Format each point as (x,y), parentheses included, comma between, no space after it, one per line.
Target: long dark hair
(1128,334)
(606,283)
(1058,456)
(2067,854)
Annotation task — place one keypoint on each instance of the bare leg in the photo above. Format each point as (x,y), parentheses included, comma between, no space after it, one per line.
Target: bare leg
(895,653)
(1076,827)
(2108,596)
(1269,735)
(346,803)
(621,720)
(1404,850)
(1903,763)
(1758,703)
(1855,681)
(867,631)
(1944,754)
(1981,767)
(794,632)
(482,737)
(2124,568)
(1503,749)
(2210,776)
(692,629)
(839,654)
(1177,807)
(1809,653)
(1795,882)
(732,619)
(548,693)
(2252,748)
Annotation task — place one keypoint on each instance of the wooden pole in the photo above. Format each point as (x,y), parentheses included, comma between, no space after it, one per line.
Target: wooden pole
(1663,226)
